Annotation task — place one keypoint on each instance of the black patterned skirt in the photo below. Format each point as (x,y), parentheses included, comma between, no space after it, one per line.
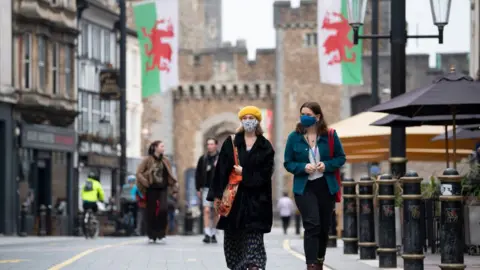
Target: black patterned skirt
(243,249)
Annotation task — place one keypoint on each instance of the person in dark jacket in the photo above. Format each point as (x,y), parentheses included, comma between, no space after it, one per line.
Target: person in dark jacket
(251,213)
(307,157)
(203,180)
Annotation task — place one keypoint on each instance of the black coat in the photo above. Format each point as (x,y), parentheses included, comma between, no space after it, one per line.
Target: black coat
(252,208)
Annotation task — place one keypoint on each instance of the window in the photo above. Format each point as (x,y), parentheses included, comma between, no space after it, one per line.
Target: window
(96,113)
(84,39)
(106,118)
(55,68)
(97,43)
(106,46)
(310,40)
(68,71)
(83,99)
(42,52)
(27,58)
(82,76)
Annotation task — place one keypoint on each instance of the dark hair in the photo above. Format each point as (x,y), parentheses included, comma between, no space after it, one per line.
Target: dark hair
(321,125)
(211,139)
(285,194)
(152,147)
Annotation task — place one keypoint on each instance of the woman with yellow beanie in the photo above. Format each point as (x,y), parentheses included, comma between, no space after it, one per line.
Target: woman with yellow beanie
(245,165)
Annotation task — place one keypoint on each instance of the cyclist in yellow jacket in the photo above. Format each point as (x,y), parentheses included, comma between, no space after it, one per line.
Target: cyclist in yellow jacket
(92,192)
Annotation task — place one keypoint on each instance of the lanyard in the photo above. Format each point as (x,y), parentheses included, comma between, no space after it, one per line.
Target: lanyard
(313,151)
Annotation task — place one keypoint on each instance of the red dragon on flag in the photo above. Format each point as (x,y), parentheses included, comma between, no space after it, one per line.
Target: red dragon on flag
(159,52)
(339,42)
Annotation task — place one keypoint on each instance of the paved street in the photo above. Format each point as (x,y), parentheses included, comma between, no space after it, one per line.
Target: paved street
(179,253)
(336,260)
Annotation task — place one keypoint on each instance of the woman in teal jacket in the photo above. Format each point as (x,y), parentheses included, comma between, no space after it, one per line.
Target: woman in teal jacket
(307,157)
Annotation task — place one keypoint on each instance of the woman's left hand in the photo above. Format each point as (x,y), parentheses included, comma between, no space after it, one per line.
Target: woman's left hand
(238,169)
(320,166)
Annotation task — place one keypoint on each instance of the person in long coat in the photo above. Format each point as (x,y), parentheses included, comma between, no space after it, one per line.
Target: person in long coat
(251,213)
(155,180)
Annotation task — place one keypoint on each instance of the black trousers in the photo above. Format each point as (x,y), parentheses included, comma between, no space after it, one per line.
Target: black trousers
(285,223)
(316,207)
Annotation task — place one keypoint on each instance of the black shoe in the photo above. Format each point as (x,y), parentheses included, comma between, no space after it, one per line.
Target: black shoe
(214,239)
(207,239)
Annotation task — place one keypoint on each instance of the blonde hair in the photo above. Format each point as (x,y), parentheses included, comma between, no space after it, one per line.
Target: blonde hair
(258,130)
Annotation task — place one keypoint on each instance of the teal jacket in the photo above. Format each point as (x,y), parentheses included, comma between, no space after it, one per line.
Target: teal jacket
(296,158)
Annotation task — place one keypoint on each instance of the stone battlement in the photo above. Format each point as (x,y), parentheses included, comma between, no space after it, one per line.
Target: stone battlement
(227,64)
(304,16)
(207,90)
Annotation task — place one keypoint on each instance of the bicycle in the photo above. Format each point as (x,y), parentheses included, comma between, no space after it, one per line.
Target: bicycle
(91,226)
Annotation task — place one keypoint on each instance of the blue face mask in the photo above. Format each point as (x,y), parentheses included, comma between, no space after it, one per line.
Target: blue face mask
(307,120)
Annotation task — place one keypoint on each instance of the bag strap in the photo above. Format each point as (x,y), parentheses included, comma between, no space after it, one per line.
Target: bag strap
(235,150)
(331,142)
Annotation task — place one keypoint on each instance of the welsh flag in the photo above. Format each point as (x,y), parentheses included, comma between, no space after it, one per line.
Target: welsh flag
(339,59)
(158,28)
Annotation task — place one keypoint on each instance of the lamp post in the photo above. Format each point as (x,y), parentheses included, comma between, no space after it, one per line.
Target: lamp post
(398,38)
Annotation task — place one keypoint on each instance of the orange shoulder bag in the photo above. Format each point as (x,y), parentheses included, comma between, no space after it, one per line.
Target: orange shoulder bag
(225,205)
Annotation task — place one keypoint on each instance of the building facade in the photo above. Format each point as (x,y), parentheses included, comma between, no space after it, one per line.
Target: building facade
(134,99)
(474,38)
(98,121)
(44,35)
(7,100)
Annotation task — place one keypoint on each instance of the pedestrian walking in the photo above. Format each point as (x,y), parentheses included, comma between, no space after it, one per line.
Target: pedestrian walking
(308,157)
(203,179)
(156,180)
(286,208)
(242,188)
(172,209)
(141,206)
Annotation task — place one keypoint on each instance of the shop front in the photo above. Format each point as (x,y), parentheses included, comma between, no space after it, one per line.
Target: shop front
(45,180)
(103,159)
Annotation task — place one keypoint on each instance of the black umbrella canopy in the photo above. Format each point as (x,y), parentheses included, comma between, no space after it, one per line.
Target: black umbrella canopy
(461,134)
(392,120)
(451,92)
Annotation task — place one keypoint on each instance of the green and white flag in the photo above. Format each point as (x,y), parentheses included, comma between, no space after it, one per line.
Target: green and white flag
(158,28)
(339,59)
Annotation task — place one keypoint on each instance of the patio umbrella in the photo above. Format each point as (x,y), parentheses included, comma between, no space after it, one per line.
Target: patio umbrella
(392,120)
(460,134)
(452,94)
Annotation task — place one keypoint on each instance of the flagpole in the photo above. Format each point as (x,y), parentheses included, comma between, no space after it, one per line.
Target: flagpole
(123,92)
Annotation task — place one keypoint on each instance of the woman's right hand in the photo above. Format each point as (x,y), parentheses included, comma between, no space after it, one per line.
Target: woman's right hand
(310,168)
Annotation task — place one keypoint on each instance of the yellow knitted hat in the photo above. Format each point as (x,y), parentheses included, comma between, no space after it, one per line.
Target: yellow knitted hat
(252,110)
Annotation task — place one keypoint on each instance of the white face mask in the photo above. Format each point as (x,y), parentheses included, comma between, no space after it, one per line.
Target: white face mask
(250,124)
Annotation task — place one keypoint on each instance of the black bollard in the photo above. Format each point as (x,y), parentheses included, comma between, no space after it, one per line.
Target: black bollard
(367,244)
(43,220)
(451,221)
(414,222)
(332,232)
(350,227)
(23,220)
(387,242)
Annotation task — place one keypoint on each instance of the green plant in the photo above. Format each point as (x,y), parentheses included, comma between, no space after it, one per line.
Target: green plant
(430,188)
(398,194)
(471,184)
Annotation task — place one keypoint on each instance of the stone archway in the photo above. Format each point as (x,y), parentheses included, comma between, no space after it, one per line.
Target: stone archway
(218,126)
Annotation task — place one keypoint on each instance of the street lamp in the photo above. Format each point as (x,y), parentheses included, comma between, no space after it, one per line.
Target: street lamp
(356,10)
(413,255)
